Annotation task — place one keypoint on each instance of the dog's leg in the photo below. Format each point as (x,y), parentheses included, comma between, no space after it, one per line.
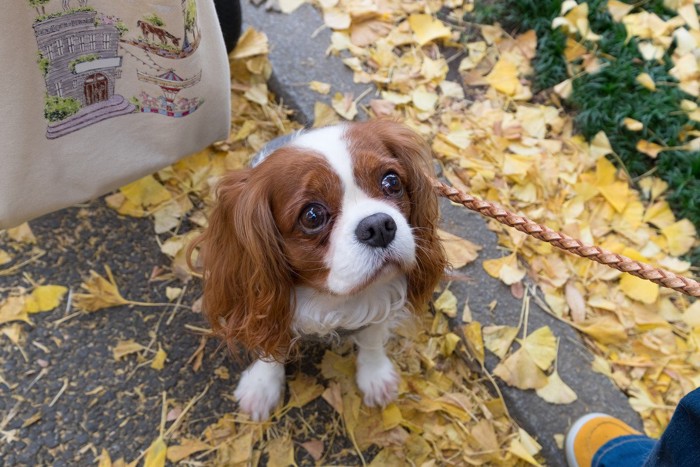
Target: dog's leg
(376,376)
(260,389)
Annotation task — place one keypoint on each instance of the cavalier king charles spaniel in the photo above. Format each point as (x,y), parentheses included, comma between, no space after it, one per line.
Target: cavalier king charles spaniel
(331,234)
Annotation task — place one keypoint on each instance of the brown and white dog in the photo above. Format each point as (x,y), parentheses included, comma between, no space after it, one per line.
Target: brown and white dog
(332,233)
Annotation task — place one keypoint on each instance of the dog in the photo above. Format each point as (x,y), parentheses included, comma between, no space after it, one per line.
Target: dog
(331,234)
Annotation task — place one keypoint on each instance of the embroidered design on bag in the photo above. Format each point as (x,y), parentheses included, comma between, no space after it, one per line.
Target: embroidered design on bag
(79,57)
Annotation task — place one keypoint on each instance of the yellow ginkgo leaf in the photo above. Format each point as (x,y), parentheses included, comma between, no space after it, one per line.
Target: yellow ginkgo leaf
(650,149)
(616,194)
(645,80)
(541,345)
(99,293)
(556,391)
(185,449)
(680,236)
(324,115)
(447,303)
(251,43)
(600,145)
(505,269)
(504,77)
(632,124)
(520,370)
(639,289)
(320,87)
(159,360)
(4,257)
(13,309)
(105,460)
(336,18)
(391,416)
(619,10)
(155,456)
(45,298)
(22,233)
(124,348)
(474,340)
(344,105)
(498,339)
(659,214)
(288,6)
(605,329)
(424,100)
(146,192)
(426,28)
(460,251)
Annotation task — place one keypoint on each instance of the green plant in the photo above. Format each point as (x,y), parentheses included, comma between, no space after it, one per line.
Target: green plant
(121,27)
(81,59)
(43,63)
(59,108)
(70,11)
(155,20)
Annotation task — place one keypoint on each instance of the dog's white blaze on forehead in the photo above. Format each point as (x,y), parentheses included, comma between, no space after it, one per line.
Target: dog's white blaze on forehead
(331,143)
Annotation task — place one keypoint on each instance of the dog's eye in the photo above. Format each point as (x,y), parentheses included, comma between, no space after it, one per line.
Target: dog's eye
(313,218)
(391,185)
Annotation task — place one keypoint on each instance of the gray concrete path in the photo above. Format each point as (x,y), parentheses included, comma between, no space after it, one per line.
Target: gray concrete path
(298,58)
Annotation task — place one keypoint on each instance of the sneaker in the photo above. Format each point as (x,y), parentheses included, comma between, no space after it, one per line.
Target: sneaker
(589,433)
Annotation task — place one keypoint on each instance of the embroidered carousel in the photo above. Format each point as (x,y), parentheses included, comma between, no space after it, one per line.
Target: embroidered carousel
(169,103)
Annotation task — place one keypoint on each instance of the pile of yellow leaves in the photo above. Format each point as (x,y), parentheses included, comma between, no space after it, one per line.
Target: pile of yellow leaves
(499,146)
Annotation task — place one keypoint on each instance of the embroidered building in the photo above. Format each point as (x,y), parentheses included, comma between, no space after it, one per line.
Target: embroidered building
(81,62)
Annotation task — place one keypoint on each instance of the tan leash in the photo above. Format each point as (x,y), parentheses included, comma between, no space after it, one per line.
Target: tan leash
(621,263)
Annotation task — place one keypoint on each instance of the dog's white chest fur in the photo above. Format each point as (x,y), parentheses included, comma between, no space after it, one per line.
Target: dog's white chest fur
(322,314)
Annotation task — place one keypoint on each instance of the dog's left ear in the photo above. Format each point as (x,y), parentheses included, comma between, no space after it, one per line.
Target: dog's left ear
(415,156)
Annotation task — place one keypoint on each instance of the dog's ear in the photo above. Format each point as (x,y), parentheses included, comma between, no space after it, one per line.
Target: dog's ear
(248,286)
(415,156)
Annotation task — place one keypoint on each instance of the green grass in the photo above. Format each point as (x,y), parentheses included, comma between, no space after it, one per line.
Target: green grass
(603,99)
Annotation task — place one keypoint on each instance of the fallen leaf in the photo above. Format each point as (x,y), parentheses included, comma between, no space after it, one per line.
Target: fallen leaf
(288,6)
(426,28)
(4,257)
(344,105)
(155,455)
(460,251)
(556,391)
(541,345)
(280,452)
(447,303)
(319,87)
(680,236)
(101,293)
(250,43)
(314,447)
(124,348)
(650,149)
(44,298)
(158,361)
(185,449)
(22,233)
(639,289)
(520,370)
(498,339)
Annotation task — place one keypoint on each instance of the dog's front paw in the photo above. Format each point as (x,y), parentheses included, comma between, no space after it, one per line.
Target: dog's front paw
(378,381)
(260,389)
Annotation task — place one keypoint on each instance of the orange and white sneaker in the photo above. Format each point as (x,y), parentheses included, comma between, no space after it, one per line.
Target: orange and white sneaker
(589,433)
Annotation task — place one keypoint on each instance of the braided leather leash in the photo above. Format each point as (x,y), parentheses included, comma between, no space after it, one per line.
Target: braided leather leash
(622,263)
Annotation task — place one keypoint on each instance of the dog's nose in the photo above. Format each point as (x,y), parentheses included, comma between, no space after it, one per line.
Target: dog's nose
(377,230)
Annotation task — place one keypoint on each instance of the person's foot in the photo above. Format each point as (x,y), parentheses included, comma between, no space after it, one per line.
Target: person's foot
(589,433)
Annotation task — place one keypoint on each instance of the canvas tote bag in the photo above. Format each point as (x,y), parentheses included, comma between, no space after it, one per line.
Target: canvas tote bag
(98,93)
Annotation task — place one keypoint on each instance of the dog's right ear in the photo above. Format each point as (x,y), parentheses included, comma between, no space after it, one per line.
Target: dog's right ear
(247,282)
